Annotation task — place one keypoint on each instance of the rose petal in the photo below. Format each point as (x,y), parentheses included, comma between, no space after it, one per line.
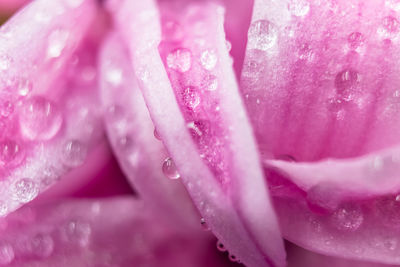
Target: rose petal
(114,232)
(50,119)
(202,122)
(131,133)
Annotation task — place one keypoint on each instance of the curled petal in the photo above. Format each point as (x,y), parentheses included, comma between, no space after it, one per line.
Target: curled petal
(49,117)
(190,90)
(133,137)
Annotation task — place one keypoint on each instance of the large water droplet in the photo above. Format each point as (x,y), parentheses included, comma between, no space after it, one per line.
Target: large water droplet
(208,59)
(10,153)
(6,253)
(355,40)
(347,81)
(191,98)
(262,35)
(169,169)
(57,42)
(180,59)
(41,245)
(74,153)
(348,217)
(25,190)
(77,232)
(299,8)
(40,119)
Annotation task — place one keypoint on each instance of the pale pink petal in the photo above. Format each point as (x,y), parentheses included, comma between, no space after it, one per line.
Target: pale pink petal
(119,232)
(324,104)
(50,118)
(198,114)
(11,5)
(132,136)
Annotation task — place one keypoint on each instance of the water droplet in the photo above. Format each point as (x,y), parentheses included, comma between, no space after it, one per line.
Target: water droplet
(208,59)
(180,59)
(10,153)
(40,119)
(355,40)
(191,99)
(74,153)
(220,246)
(114,76)
(347,81)
(25,190)
(5,62)
(7,109)
(262,35)
(232,258)
(23,86)
(41,245)
(169,169)
(228,45)
(156,134)
(210,83)
(3,209)
(391,24)
(57,42)
(199,128)
(348,217)
(204,224)
(6,253)
(299,8)
(77,232)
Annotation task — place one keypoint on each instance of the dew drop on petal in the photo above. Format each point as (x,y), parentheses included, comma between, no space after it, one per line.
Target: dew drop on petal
(262,35)
(391,24)
(208,59)
(348,217)
(355,40)
(156,134)
(6,109)
(232,258)
(10,152)
(23,86)
(41,245)
(228,45)
(220,246)
(57,42)
(6,253)
(299,8)
(180,59)
(74,153)
(114,76)
(191,98)
(210,83)
(40,119)
(346,81)
(77,232)
(169,169)
(25,190)
(204,224)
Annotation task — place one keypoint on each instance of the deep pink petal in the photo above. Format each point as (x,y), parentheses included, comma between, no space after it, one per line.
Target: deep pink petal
(131,133)
(50,118)
(202,123)
(115,232)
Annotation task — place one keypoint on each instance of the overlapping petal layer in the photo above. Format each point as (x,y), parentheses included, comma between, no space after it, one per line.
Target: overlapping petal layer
(190,89)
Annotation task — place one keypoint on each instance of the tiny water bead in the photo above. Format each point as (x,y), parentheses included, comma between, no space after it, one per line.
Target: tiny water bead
(40,119)
(114,76)
(180,60)
(6,109)
(7,254)
(391,24)
(262,35)
(355,40)
(41,245)
(221,246)
(232,258)
(74,153)
(78,232)
(348,217)
(191,98)
(25,190)
(347,81)
(172,31)
(210,82)
(299,8)
(57,42)
(169,169)
(208,59)
(23,86)
(156,134)
(204,224)
(10,152)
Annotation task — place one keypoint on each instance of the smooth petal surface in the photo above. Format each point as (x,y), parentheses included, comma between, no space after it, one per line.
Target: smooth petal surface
(190,89)
(49,116)
(324,104)
(132,135)
(114,232)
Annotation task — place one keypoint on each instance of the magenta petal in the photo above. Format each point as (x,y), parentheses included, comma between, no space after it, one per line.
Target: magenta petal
(194,103)
(131,133)
(115,232)
(49,115)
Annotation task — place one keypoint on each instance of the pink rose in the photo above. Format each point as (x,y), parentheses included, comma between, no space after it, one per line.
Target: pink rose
(303,148)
